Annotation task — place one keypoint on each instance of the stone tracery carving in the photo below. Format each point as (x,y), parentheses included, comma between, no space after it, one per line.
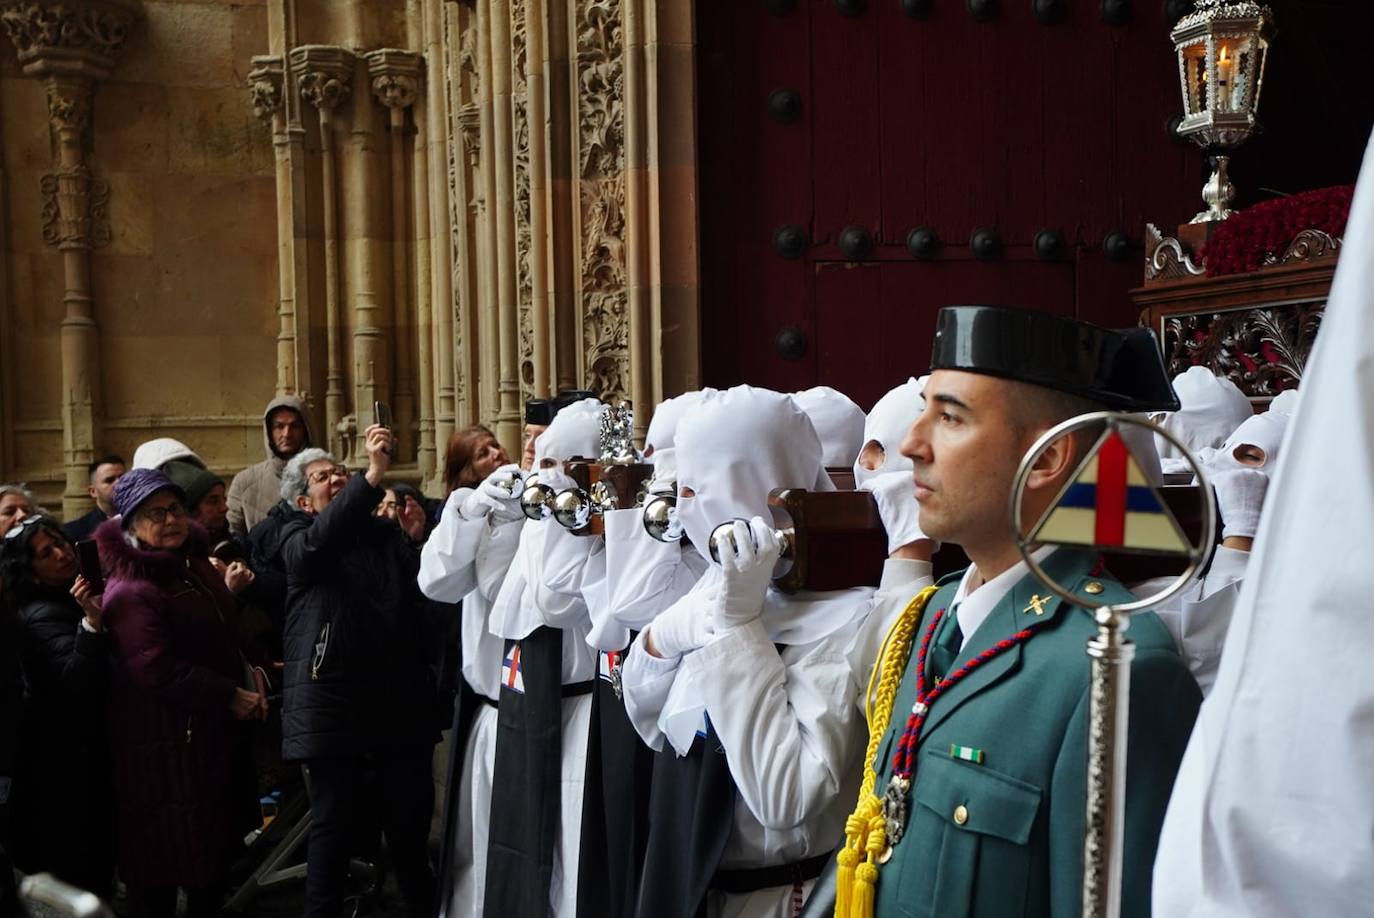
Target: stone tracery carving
(601,137)
(75,209)
(520,128)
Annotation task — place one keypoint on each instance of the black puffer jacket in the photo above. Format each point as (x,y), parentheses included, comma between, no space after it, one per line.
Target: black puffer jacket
(64,813)
(357,679)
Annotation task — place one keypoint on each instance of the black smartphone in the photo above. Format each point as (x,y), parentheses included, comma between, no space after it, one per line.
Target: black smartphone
(381,414)
(88,559)
(228,551)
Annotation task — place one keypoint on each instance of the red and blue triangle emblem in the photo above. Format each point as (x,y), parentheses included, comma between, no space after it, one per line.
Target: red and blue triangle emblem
(1110,504)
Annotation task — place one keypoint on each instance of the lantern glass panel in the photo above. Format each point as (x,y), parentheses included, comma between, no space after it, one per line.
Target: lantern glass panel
(1193,62)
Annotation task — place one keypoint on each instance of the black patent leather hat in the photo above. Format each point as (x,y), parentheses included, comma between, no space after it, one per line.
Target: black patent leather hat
(1121,369)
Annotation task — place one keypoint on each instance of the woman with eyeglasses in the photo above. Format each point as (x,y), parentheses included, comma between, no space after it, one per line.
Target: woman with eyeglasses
(63,806)
(179,693)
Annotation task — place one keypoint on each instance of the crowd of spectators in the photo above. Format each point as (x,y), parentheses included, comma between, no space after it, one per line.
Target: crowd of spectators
(164,655)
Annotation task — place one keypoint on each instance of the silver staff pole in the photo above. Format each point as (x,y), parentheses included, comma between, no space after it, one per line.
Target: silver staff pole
(1109,651)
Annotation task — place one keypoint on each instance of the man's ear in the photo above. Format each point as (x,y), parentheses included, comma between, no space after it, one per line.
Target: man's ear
(1054,464)
(90,489)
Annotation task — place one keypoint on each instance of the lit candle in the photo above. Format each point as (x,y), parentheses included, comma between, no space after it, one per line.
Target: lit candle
(1224,77)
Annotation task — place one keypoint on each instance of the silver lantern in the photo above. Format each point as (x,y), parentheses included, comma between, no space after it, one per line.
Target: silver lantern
(1222,47)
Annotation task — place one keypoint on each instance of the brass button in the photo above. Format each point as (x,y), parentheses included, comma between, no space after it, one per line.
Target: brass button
(1092,588)
(960,815)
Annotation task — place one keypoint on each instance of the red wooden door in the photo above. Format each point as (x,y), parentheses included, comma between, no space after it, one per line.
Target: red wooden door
(943,122)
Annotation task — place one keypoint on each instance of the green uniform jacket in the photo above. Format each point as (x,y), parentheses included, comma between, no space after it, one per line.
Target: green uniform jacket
(1015,847)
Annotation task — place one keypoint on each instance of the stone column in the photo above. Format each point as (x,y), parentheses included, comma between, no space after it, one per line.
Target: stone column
(71,46)
(323,73)
(395,82)
(265,89)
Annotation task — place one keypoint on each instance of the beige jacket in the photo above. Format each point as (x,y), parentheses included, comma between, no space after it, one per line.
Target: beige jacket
(257,488)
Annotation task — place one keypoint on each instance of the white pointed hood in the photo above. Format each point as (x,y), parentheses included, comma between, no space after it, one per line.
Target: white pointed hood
(885,428)
(838,422)
(661,438)
(574,433)
(1212,408)
(734,449)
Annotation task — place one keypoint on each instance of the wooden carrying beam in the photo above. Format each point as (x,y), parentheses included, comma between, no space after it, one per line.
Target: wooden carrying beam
(838,541)
(623,484)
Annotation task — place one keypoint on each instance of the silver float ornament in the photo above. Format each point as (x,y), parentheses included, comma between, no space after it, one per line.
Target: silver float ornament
(784,531)
(1109,505)
(574,508)
(618,436)
(660,518)
(536,500)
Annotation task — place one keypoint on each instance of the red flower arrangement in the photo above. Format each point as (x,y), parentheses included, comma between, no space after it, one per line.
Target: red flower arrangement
(1241,243)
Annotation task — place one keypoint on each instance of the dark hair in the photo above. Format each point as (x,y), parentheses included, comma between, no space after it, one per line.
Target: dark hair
(16,559)
(110,459)
(458,457)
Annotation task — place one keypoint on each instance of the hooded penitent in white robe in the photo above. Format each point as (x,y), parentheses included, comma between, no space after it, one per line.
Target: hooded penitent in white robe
(786,718)
(1273,810)
(544,589)
(466,559)
(644,576)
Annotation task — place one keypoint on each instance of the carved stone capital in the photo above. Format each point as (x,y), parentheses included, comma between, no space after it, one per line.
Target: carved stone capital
(325,74)
(69,37)
(265,85)
(395,76)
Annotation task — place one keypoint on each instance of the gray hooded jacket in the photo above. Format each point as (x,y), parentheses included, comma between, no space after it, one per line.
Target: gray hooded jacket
(257,488)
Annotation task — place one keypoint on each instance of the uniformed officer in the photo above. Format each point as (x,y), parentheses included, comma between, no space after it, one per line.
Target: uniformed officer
(979,729)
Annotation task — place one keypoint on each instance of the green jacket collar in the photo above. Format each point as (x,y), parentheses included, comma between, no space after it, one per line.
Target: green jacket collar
(1069,567)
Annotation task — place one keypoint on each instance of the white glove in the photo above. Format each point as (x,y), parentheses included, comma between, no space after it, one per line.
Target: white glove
(1240,498)
(493,497)
(748,568)
(681,629)
(895,493)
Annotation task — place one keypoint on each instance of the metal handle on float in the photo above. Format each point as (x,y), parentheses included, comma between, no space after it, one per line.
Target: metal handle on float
(784,531)
(536,500)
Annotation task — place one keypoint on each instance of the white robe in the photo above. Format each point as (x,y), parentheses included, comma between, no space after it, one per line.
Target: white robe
(1273,810)
(467,559)
(791,723)
(1199,617)
(544,588)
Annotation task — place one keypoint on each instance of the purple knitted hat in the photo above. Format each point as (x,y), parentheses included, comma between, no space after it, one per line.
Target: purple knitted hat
(137,485)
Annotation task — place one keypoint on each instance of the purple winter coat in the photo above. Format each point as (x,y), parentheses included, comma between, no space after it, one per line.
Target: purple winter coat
(182,766)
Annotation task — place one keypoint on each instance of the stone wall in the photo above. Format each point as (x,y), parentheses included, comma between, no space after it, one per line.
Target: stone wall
(449,206)
(182,257)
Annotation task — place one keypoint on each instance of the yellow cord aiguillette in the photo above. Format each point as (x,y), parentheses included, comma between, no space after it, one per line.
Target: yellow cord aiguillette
(865,832)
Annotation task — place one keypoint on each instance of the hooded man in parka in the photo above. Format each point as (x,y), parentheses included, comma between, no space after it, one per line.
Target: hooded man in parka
(254,491)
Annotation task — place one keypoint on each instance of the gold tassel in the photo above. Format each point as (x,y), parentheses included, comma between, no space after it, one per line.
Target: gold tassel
(866,831)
